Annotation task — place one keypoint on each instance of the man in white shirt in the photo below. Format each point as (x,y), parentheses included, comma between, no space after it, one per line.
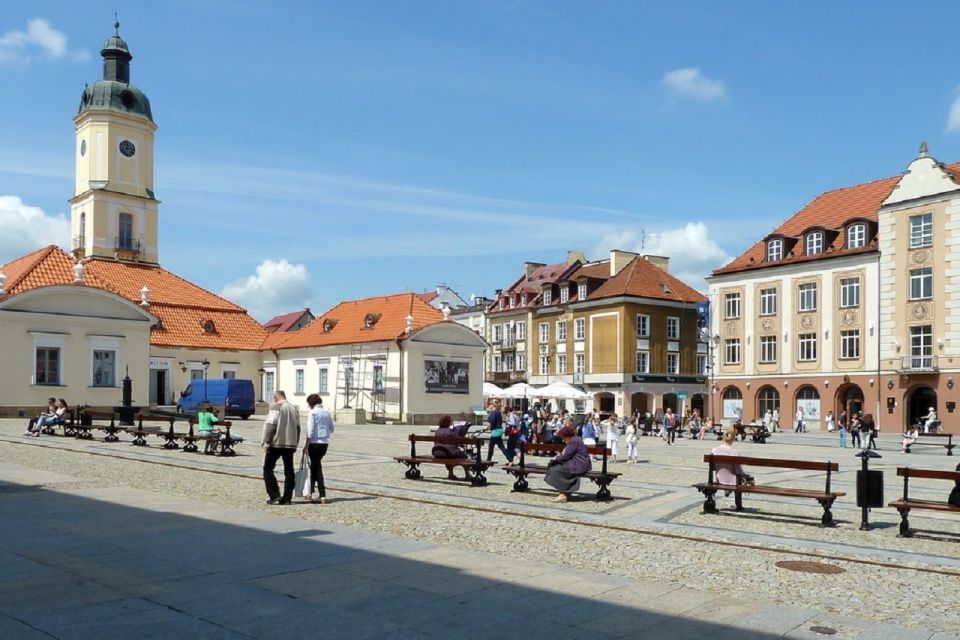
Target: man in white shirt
(800,428)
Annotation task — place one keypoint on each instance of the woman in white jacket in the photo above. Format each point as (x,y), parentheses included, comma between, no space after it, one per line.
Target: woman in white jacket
(320,428)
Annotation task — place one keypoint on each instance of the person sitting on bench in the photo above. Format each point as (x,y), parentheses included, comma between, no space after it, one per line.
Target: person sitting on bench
(929,419)
(446,430)
(954,498)
(728,473)
(910,437)
(564,471)
(205,421)
(46,413)
(50,419)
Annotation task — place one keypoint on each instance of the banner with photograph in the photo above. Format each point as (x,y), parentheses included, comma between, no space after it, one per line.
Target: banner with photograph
(445,376)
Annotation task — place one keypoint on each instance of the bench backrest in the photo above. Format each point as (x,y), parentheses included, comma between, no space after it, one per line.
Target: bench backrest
(934,474)
(222,423)
(806,465)
(445,440)
(948,436)
(558,448)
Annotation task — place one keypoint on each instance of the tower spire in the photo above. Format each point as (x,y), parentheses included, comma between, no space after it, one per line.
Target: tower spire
(116,24)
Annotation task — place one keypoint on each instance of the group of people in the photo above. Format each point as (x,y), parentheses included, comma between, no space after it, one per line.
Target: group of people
(862,428)
(280,440)
(55,413)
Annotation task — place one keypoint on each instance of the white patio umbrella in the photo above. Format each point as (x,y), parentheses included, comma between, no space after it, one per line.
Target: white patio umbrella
(491,390)
(520,390)
(561,391)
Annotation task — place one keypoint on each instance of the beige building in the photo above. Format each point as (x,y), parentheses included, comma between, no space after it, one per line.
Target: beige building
(846,307)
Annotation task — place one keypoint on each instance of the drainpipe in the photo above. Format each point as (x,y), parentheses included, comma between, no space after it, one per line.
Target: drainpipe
(880,383)
(276,374)
(400,398)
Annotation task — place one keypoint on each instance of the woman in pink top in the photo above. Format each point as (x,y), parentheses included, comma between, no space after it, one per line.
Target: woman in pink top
(727,473)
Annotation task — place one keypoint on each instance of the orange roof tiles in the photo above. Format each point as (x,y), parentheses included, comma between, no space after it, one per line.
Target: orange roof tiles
(644,279)
(182,307)
(348,321)
(831,210)
(429,296)
(532,285)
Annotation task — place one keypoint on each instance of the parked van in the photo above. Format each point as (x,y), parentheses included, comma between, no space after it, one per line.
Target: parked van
(234,395)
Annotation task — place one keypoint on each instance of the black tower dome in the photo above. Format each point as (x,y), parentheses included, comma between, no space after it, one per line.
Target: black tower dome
(114,92)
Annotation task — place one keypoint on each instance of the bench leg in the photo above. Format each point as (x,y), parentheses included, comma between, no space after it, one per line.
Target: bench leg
(111,437)
(190,447)
(170,444)
(604,492)
(521,483)
(710,504)
(226,449)
(949,449)
(412,473)
(478,479)
(737,501)
(827,518)
(905,524)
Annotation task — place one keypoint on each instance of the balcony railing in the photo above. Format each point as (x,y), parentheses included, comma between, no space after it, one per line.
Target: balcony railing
(124,243)
(919,363)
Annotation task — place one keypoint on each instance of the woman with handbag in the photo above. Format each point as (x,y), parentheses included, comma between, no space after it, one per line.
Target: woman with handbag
(319,429)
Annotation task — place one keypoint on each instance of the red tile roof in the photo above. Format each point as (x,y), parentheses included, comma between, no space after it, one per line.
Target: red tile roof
(644,279)
(428,296)
(283,322)
(831,210)
(532,285)
(348,322)
(183,308)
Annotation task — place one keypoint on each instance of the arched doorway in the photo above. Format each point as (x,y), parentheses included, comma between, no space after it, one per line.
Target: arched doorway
(698,402)
(639,403)
(732,404)
(670,402)
(808,399)
(768,399)
(849,400)
(604,402)
(919,401)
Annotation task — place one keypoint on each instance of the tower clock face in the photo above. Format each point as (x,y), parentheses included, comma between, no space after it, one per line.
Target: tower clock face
(83,148)
(127,148)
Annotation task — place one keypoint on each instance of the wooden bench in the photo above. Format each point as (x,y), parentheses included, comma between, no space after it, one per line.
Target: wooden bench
(85,425)
(935,442)
(190,439)
(473,463)
(906,503)
(140,432)
(710,487)
(601,478)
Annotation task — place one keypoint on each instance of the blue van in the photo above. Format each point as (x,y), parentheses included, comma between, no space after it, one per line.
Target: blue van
(234,395)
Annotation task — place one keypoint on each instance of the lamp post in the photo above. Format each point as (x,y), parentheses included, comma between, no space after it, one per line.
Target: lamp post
(714,342)
(206,365)
(261,371)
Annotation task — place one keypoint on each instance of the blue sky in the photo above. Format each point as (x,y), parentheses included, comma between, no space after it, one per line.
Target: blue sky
(310,152)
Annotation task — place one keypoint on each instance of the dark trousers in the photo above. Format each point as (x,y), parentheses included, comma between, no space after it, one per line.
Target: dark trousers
(512,442)
(289,476)
(671,435)
(316,451)
(872,444)
(855,437)
(497,441)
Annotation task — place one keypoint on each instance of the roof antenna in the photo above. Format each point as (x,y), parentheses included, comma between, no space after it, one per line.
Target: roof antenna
(923,149)
(643,241)
(116,24)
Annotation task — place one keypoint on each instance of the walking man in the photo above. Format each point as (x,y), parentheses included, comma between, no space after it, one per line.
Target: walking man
(670,426)
(281,435)
(799,428)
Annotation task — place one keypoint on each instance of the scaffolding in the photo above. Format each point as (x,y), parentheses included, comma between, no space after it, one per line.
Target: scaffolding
(361,380)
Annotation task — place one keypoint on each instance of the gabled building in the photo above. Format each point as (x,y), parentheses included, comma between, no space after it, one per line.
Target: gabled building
(626,331)
(293,321)
(385,358)
(846,306)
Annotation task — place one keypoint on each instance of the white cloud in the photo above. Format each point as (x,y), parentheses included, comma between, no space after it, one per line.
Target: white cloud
(693,253)
(953,119)
(24,228)
(689,83)
(275,288)
(40,38)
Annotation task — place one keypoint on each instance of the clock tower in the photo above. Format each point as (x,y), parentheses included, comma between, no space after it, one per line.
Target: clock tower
(114,209)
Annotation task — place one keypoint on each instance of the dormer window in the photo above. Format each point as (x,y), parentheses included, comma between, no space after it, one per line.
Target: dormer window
(774,250)
(564,294)
(582,291)
(513,301)
(328,325)
(370,319)
(856,235)
(523,299)
(547,297)
(208,326)
(500,305)
(814,243)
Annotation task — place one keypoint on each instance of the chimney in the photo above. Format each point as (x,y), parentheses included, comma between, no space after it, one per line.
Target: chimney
(78,270)
(145,296)
(663,262)
(445,309)
(619,259)
(574,256)
(409,327)
(530,267)
(3,284)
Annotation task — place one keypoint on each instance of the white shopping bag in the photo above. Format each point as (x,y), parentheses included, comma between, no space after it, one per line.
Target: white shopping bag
(303,478)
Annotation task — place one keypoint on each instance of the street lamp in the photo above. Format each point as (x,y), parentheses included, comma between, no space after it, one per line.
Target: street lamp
(261,371)
(206,365)
(714,345)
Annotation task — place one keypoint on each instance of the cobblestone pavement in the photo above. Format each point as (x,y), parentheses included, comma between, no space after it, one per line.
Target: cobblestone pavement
(650,546)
